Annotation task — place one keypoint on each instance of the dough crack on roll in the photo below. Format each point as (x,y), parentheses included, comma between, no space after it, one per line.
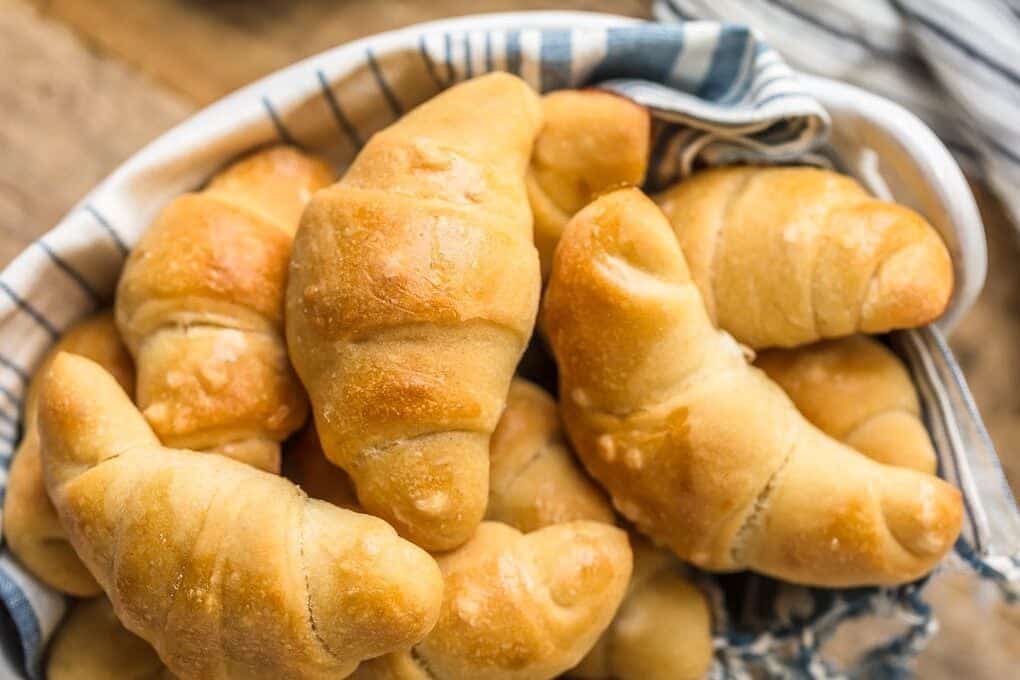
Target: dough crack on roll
(226,570)
(710,457)
(413,291)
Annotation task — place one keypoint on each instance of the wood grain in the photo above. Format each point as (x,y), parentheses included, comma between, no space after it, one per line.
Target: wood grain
(69,117)
(205,49)
(88,82)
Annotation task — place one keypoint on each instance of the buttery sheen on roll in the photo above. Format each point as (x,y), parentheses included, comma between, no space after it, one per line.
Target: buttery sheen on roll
(226,570)
(200,305)
(788,256)
(413,290)
(700,450)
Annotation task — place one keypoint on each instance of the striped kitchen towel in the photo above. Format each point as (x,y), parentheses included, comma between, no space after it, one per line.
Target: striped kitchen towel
(718,94)
(954,64)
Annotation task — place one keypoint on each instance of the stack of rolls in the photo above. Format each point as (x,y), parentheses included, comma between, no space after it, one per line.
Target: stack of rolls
(440,517)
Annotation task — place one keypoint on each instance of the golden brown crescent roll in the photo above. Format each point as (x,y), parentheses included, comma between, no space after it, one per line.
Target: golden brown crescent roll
(92,644)
(518,606)
(200,305)
(703,452)
(305,464)
(592,140)
(226,570)
(413,289)
(856,390)
(31,526)
(533,479)
(788,256)
(663,628)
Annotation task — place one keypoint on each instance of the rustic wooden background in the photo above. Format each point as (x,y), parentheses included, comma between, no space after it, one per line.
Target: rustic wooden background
(87,82)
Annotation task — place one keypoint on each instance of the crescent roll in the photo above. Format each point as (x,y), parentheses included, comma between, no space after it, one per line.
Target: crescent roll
(413,291)
(226,570)
(788,256)
(200,305)
(700,450)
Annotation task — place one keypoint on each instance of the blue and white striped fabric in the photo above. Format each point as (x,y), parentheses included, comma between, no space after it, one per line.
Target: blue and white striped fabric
(954,64)
(718,94)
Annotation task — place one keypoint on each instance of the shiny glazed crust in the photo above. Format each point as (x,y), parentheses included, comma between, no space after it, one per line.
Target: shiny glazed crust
(413,291)
(788,256)
(226,570)
(703,452)
(200,304)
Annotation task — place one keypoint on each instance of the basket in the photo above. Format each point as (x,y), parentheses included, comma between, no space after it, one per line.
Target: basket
(333,102)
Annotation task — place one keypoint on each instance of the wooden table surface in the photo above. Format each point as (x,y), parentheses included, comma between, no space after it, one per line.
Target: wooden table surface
(87,82)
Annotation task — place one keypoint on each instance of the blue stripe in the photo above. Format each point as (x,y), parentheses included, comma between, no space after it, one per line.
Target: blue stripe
(961,44)
(647,53)
(15,401)
(726,60)
(24,617)
(451,75)
(513,52)
(962,149)
(555,60)
(745,79)
(672,6)
(967,553)
(967,398)
(943,417)
(663,137)
(8,418)
(105,224)
(17,370)
(468,68)
(36,315)
(768,81)
(430,65)
(281,131)
(765,65)
(895,55)
(1002,150)
(384,86)
(338,113)
(72,273)
(489,64)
